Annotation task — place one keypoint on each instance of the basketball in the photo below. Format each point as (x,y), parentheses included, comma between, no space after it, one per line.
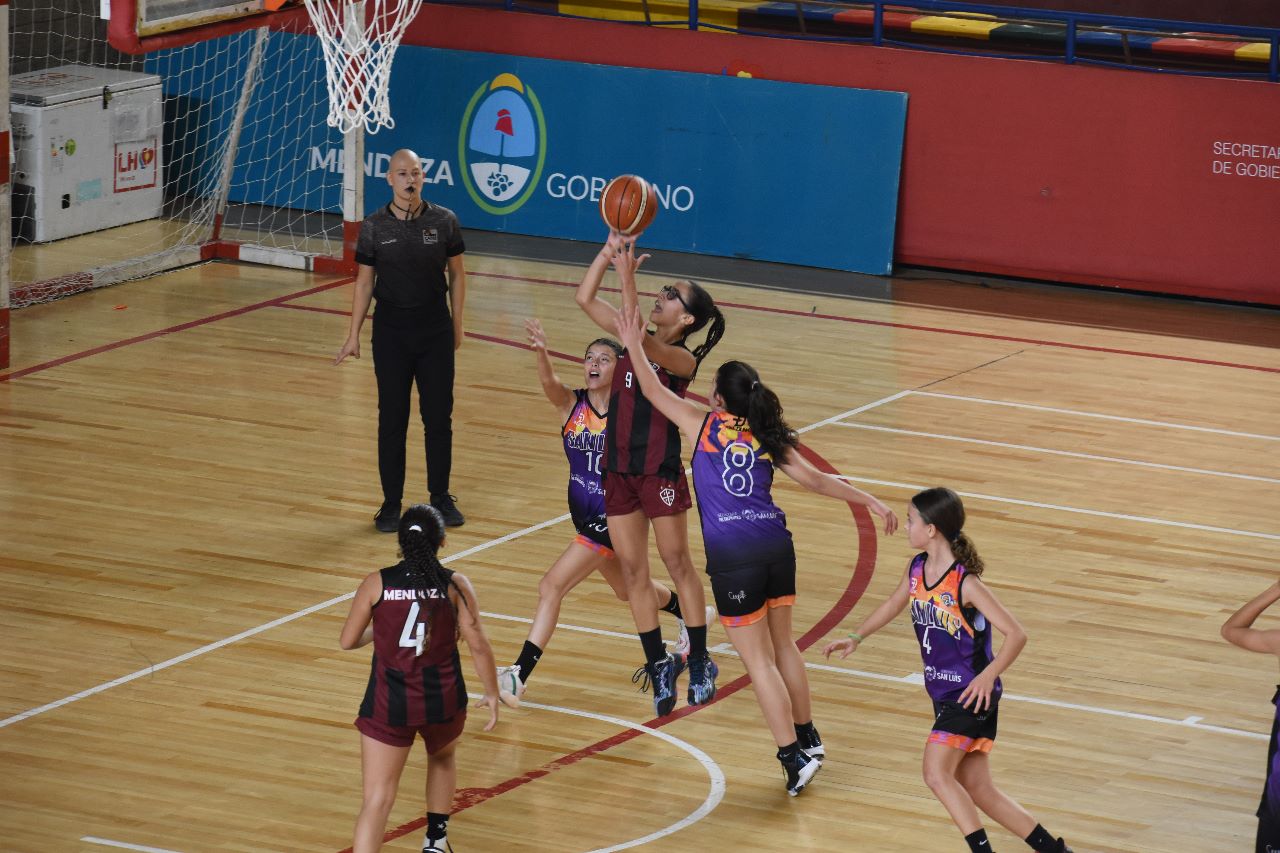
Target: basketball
(628,204)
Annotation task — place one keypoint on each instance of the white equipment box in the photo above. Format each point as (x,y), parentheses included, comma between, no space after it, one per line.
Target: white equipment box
(87,147)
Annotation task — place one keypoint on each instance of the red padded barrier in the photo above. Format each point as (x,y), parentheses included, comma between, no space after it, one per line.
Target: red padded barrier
(1034,169)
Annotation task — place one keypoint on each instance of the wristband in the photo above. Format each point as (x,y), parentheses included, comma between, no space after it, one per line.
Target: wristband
(855,636)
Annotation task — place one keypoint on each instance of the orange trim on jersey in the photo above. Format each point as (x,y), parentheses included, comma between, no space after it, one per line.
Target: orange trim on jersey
(960,742)
(781,601)
(740,621)
(704,435)
(594,546)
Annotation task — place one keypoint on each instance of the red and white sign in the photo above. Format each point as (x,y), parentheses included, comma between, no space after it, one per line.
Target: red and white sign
(136,165)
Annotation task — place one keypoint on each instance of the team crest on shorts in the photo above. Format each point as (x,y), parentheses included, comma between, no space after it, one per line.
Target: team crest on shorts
(668,495)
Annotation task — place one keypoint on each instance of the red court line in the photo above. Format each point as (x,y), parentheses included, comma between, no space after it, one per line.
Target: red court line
(940,330)
(863,570)
(490,338)
(159,333)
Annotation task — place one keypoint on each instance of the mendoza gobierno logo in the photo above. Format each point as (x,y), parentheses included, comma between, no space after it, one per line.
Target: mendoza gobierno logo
(502,144)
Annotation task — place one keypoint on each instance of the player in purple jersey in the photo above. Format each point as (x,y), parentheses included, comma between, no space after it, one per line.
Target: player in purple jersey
(413,613)
(644,480)
(750,559)
(1239,631)
(582,415)
(953,612)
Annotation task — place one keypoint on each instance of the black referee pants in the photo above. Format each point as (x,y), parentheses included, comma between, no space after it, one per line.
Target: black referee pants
(405,353)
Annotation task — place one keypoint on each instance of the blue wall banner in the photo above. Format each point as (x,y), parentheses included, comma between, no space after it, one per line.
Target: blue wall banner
(748,168)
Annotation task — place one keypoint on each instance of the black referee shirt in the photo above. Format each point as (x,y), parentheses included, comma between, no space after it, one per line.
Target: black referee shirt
(409,258)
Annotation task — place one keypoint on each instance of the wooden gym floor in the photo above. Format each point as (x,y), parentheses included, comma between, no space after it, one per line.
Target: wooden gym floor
(186,493)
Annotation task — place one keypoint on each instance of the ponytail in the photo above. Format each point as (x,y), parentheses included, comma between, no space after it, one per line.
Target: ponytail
(421,534)
(704,310)
(714,333)
(746,396)
(943,508)
(967,555)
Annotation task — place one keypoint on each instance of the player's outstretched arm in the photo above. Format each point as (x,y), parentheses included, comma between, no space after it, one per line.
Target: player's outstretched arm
(481,652)
(626,262)
(798,468)
(881,616)
(1239,631)
(559,394)
(588,294)
(687,416)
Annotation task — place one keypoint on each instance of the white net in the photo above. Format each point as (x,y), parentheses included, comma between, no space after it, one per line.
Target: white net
(276,183)
(360,40)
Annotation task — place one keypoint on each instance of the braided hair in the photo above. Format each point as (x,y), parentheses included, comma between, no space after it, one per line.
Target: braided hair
(421,534)
(704,311)
(745,396)
(942,508)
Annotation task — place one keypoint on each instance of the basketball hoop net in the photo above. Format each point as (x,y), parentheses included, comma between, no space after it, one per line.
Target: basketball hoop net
(359,45)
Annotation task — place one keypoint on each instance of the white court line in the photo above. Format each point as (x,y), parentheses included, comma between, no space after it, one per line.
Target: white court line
(716,775)
(1082,414)
(560,626)
(1141,519)
(116,682)
(1071,453)
(107,842)
(916,678)
(291,617)
(125,679)
(868,407)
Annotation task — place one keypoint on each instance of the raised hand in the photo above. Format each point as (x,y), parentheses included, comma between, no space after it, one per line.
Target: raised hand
(537,337)
(624,257)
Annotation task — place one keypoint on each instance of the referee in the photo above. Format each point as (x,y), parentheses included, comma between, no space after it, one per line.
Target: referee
(410,259)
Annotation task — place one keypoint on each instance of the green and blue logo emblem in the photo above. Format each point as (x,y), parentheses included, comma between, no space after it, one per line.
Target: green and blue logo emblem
(502,144)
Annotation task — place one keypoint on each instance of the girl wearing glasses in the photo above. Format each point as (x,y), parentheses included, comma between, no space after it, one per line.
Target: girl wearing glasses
(583,413)
(750,557)
(644,477)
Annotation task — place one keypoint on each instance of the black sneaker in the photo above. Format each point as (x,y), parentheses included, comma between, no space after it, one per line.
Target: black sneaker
(440,845)
(1062,847)
(702,680)
(811,742)
(799,771)
(662,675)
(387,519)
(447,505)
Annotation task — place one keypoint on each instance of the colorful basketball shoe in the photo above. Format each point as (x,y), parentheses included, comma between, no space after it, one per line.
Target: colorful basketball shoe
(662,676)
(702,680)
(681,648)
(510,687)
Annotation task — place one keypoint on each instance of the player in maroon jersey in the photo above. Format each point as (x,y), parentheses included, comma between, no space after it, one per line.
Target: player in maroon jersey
(582,414)
(645,481)
(413,613)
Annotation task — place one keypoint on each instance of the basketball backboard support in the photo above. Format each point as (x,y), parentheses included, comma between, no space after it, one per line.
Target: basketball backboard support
(141,26)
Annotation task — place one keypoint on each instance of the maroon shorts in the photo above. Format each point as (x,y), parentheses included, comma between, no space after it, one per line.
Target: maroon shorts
(655,496)
(435,735)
